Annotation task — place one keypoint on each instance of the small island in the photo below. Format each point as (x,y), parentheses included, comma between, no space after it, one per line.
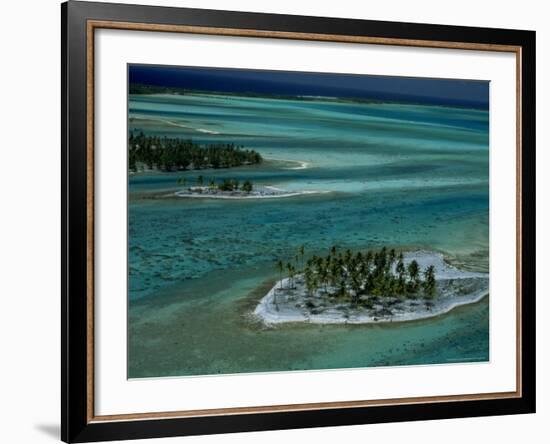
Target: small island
(368,287)
(172,154)
(233,189)
(150,153)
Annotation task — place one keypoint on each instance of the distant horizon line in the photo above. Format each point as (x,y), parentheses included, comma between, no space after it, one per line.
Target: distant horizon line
(405,99)
(452,92)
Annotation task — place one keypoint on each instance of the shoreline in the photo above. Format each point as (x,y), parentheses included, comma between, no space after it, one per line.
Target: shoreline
(277,307)
(179,125)
(266,192)
(302,164)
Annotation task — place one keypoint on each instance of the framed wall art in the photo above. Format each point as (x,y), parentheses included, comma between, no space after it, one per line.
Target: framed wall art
(277,221)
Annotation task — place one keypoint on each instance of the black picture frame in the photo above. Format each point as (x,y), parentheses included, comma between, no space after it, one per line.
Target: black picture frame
(77,425)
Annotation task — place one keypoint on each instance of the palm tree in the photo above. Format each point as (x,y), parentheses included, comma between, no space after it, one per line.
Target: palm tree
(247,186)
(311,281)
(429,281)
(323,271)
(359,258)
(356,283)
(280,267)
(391,258)
(313,260)
(368,260)
(379,263)
(302,252)
(400,270)
(334,272)
(343,290)
(413,270)
(290,269)
(347,257)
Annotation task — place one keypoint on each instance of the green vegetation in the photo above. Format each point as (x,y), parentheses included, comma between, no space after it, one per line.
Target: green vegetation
(348,275)
(228,185)
(140,88)
(225,185)
(171,154)
(247,186)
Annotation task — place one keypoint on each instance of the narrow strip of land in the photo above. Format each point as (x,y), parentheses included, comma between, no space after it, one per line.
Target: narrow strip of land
(262,192)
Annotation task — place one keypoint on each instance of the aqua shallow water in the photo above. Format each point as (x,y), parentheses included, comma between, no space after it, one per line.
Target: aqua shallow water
(402,175)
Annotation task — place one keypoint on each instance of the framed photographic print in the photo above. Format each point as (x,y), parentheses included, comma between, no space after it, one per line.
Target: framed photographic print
(276,221)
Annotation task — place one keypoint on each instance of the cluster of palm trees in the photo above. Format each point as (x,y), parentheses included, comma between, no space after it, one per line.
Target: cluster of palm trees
(233,185)
(225,185)
(351,275)
(172,154)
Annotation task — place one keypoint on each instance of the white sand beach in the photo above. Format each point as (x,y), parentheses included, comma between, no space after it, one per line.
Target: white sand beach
(266,192)
(454,288)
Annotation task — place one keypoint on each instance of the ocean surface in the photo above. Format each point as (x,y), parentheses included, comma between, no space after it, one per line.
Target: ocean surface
(402,175)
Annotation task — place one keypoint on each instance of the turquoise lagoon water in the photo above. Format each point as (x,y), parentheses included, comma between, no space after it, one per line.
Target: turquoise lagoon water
(404,175)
